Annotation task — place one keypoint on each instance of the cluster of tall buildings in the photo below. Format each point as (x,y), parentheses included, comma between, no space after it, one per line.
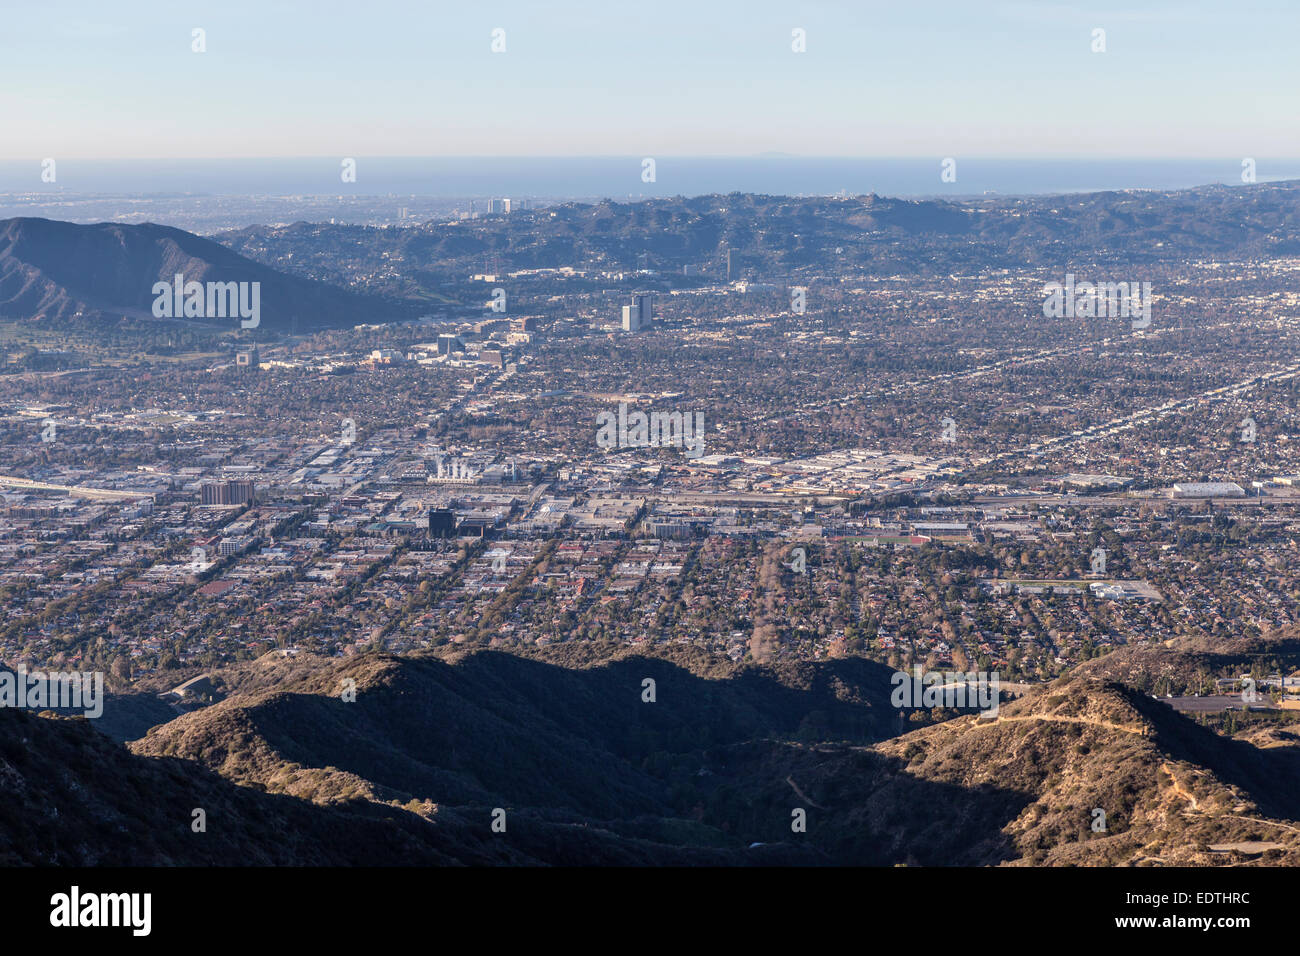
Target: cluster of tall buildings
(503,207)
(640,313)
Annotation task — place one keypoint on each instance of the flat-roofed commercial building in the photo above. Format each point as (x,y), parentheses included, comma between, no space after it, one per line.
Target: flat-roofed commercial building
(1208,489)
(236,492)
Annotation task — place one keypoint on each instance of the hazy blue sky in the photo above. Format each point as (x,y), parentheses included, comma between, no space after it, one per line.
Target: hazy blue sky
(90,78)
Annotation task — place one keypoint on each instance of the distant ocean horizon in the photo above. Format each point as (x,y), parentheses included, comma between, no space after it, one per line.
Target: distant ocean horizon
(620,178)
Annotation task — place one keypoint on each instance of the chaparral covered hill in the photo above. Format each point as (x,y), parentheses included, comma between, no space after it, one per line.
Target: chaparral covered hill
(587,770)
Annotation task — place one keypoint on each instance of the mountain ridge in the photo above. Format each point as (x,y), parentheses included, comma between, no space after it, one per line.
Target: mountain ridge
(62,272)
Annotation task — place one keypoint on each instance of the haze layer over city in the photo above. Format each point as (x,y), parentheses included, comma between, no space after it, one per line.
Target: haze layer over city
(692,436)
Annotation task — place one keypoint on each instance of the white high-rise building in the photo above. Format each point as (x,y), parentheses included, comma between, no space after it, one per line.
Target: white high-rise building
(640,313)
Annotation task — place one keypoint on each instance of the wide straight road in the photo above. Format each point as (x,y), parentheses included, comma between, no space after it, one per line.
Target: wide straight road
(1214,704)
(77,491)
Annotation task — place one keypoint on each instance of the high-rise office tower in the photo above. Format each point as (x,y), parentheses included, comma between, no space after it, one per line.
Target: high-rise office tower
(645,304)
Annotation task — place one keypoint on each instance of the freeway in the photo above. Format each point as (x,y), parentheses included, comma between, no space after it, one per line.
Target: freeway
(77,491)
(1214,703)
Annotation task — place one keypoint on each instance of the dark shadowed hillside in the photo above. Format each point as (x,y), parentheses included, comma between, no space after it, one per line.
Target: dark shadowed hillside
(493,728)
(58,271)
(727,761)
(69,796)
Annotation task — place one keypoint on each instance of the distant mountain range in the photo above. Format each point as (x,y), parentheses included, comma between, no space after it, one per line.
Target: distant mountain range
(587,771)
(769,237)
(56,271)
(61,272)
